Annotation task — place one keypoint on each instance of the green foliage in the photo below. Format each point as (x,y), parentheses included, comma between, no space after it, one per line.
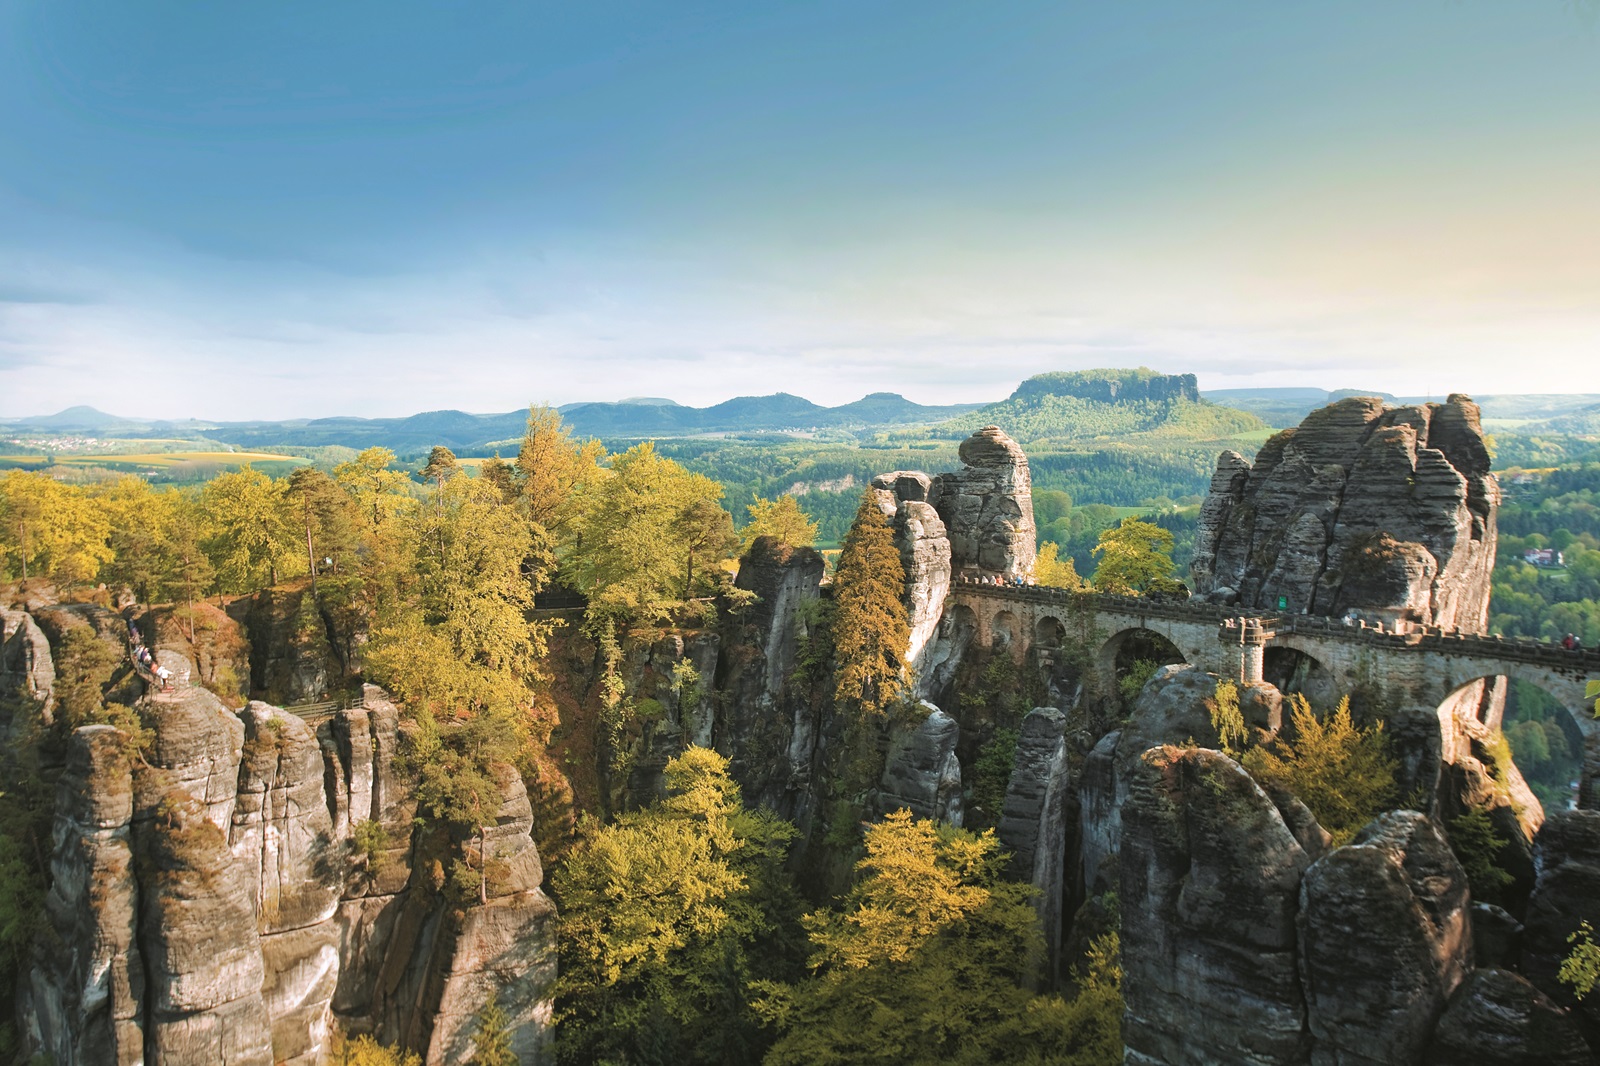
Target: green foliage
(1050,570)
(48,529)
(782,519)
(666,916)
(1345,775)
(648,535)
(1226,718)
(491,1039)
(451,632)
(926,960)
(84,664)
(991,774)
(1135,678)
(1132,557)
(1581,968)
(369,843)
(871,632)
(366,1051)
(1477,847)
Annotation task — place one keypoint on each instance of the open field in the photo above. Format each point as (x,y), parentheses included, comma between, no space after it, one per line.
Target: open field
(176,466)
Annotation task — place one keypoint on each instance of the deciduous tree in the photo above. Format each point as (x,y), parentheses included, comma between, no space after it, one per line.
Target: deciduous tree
(1133,556)
(781,518)
(48,529)
(665,915)
(252,539)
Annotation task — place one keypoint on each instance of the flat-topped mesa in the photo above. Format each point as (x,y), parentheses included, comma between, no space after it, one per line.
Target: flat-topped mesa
(1388,512)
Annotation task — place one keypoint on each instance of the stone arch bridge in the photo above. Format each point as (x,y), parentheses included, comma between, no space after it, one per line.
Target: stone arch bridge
(1425,667)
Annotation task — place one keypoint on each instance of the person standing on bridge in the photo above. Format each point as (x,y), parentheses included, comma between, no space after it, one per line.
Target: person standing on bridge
(1571,642)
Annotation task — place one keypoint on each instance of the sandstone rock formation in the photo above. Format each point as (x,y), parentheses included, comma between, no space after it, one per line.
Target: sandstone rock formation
(85,998)
(292,659)
(1566,892)
(1033,819)
(974,521)
(1496,1018)
(27,671)
(769,729)
(921,772)
(1210,884)
(987,506)
(919,533)
(1385,938)
(207,903)
(1387,511)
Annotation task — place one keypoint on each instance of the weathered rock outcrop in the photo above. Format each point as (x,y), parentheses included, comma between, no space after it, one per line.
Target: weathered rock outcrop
(1566,891)
(292,659)
(1496,1018)
(282,834)
(768,728)
(919,533)
(987,506)
(198,936)
(1385,938)
(1170,710)
(1210,884)
(1033,819)
(208,905)
(921,772)
(1387,511)
(85,997)
(504,947)
(27,671)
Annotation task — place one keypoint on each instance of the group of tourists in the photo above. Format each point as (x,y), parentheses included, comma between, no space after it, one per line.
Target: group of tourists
(1571,642)
(144,660)
(1000,579)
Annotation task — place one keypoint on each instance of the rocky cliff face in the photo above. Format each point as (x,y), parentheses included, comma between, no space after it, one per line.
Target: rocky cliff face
(1210,889)
(1386,511)
(1246,939)
(208,904)
(974,521)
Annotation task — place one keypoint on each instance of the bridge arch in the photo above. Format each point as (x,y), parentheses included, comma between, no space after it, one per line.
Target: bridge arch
(1468,708)
(1005,631)
(1123,651)
(1049,632)
(1296,671)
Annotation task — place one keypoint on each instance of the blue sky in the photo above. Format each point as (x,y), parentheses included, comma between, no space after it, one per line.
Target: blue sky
(235,211)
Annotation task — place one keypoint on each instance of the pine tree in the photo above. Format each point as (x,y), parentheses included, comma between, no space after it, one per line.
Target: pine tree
(872,632)
(491,1042)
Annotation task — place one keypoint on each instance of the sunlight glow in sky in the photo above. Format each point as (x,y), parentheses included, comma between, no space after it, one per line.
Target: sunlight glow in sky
(265,211)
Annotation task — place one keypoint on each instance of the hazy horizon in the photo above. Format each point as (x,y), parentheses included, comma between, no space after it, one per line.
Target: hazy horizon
(298,212)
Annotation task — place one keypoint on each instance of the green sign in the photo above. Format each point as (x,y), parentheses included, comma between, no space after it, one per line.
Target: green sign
(1283,603)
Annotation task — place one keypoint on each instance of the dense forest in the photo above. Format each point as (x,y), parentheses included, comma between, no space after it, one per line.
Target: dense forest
(441,571)
(686,934)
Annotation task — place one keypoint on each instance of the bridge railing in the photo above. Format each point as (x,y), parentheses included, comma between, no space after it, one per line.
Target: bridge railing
(326,708)
(1429,638)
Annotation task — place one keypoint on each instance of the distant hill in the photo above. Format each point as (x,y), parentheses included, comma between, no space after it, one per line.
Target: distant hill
(1287,406)
(1584,422)
(1090,405)
(86,420)
(753,414)
(464,432)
